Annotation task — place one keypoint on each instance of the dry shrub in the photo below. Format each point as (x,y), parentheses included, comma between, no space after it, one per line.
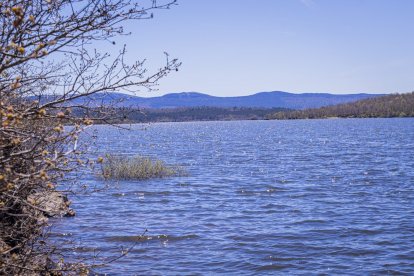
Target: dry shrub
(48,70)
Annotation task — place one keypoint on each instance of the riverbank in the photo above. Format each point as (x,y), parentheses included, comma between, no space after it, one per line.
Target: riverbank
(33,260)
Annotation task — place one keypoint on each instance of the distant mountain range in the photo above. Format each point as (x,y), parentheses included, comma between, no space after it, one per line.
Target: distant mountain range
(194,99)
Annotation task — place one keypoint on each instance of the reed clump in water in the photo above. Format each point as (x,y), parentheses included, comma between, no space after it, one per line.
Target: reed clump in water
(138,168)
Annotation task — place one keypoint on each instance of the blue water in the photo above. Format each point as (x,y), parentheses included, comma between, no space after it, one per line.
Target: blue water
(262,197)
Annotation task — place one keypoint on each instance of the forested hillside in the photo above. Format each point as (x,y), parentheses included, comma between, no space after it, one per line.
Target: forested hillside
(394,105)
(184,114)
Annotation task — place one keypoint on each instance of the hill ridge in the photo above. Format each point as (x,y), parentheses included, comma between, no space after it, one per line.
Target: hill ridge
(267,99)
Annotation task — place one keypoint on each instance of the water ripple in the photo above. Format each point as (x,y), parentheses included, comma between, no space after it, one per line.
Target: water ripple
(329,197)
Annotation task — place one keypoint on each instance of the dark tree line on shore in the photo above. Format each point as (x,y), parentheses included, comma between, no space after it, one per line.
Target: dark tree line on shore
(134,115)
(394,105)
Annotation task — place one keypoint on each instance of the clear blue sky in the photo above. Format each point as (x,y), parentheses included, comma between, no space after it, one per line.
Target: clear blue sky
(231,47)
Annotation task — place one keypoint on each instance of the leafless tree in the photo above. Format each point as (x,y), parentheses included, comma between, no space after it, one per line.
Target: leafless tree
(48,69)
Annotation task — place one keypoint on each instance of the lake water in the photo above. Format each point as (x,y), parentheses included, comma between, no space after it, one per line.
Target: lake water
(262,197)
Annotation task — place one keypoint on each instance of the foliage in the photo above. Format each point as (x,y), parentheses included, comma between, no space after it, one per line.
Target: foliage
(47,61)
(185,114)
(137,167)
(395,105)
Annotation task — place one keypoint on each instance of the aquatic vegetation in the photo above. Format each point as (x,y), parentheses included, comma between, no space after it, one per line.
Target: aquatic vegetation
(137,167)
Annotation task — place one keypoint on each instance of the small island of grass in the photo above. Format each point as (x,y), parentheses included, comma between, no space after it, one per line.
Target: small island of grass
(137,168)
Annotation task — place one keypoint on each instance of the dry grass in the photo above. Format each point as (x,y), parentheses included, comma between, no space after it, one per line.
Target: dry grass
(137,167)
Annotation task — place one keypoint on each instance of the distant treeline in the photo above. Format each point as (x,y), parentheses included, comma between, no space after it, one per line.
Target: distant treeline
(394,105)
(134,115)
